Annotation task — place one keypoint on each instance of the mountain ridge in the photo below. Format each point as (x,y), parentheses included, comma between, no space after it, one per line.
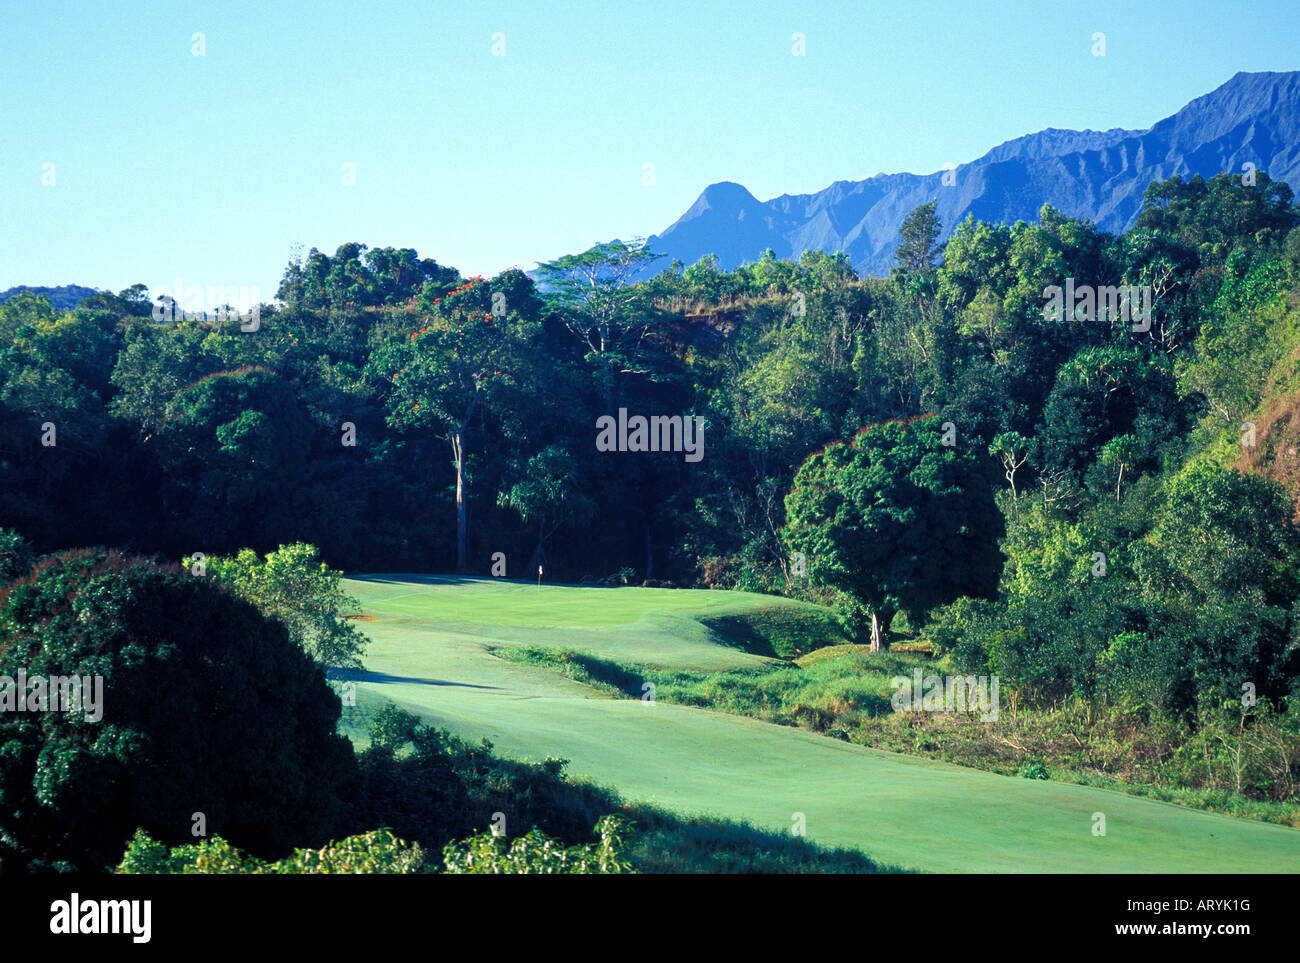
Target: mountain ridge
(1252,118)
(64,297)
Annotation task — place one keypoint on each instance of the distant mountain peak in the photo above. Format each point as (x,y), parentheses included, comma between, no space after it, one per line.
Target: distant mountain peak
(1253,118)
(725,191)
(724,196)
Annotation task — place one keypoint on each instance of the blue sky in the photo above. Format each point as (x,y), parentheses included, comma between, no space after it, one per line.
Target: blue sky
(172,166)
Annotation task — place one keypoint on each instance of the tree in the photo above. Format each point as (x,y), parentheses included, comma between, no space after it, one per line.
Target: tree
(234,447)
(155,364)
(1121,454)
(596,299)
(293,586)
(897,521)
(536,853)
(1213,217)
(1012,449)
(1222,534)
(203,706)
(356,277)
(1066,590)
(460,360)
(546,495)
(918,239)
(1239,339)
(1219,572)
(58,449)
(1098,395)
(378,851)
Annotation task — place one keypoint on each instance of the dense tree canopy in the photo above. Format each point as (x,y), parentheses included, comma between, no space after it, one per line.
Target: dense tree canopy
(202,706)
(897,520)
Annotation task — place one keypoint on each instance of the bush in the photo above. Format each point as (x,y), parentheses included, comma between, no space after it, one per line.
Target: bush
(295,587)
(951,626)
(207,707)
(535,852)
(15,555)
(370,853)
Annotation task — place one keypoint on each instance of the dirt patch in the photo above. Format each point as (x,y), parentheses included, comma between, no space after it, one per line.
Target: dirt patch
(1276,452)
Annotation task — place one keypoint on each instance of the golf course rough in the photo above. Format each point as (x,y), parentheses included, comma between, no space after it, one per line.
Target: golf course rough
(430,653)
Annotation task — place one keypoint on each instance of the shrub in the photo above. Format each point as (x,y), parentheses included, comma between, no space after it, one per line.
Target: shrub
(207,707)
(293,586)
(369,853)
(15,555)
(535,852)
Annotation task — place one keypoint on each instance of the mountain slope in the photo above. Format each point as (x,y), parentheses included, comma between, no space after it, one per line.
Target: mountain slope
(65,297)
(1100,175)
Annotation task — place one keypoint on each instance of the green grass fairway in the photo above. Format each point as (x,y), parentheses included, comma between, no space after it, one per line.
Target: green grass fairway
(429,654)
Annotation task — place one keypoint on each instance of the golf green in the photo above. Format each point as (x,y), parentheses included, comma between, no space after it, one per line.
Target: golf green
(430,654)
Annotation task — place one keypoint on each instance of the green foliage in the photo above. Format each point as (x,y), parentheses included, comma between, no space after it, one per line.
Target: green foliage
(391,728)
(206,706)
(918,246)
(1222,534)
(356,277)
(238,438)
(1066,590)
(459,358)
(1012,449)
(594,297)
(16,555)
(896,520)
(953,627)
(1096,399)
(369,853)
(1216,216)
(1160,605)
(1221,571)
(536,853)
(466,359)
(293,586)
(1238,340)
(546,494)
